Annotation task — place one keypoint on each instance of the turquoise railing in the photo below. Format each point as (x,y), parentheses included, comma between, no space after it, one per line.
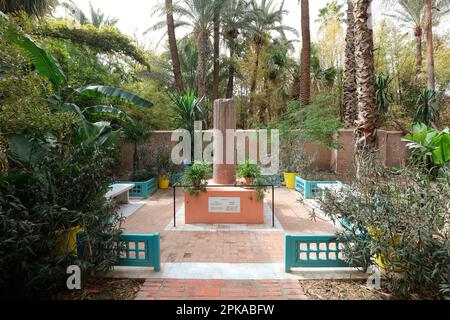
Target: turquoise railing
(313,251)
(143,189)
(175,177)
(133,250)
(309,188)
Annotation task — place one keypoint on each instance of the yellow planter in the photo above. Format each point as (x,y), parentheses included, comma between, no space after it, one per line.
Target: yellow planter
(163,182)
(381,259)
(68,241)
(289,178)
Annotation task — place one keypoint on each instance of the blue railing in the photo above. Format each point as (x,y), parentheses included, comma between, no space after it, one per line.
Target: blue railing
(313,251)
(309,188)
(142,189)
(274,179)
(175,178)
(133,250)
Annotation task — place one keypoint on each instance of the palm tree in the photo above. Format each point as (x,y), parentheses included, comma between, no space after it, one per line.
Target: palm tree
(234,22)
(428,24)
(97,18)
(216,47)
(265,19)
(350,110)
(410,15)
(31,7)
(305,60)
(365,132)
(173,47)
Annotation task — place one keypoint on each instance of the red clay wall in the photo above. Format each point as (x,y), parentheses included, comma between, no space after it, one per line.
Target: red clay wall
(392,151)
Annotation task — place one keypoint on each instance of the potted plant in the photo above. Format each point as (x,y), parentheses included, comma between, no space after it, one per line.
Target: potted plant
(196,176)
(249,172)
(294,160)
(160,164)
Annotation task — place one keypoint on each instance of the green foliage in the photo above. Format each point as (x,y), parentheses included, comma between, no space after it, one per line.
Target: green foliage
(294,159)
(188,109)
(249,170)
(196,177)
(427,109)
(159,161)
(430,149)
(318,122)
(115,94)
(106,40)
(383,96)
(401,218)
(39,204)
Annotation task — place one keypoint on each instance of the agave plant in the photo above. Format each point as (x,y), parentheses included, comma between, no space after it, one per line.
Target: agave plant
(426,107)
(188,108)
(384,98)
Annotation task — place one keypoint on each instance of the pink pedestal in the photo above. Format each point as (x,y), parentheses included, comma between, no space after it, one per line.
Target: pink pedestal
(250,210)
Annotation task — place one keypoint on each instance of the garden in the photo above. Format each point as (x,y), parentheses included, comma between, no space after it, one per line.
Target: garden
(88,116)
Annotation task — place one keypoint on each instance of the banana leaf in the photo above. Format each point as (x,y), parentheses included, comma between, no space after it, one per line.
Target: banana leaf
(46,65)
(108,111)
(114,93)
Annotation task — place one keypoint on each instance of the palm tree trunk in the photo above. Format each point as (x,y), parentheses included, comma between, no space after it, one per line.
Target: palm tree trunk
(230,84)
(429,40)
(418,35)
(350,98)
(202,39)
(173,48)
(305,63)
(254,78)
(216,70)
(365,132)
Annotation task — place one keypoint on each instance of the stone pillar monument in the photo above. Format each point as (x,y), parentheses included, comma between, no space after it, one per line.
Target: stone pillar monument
(224,114)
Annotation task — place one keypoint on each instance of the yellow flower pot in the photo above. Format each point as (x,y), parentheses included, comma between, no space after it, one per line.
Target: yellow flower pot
(68,241)
(381,259)
(289,178)
(163,182)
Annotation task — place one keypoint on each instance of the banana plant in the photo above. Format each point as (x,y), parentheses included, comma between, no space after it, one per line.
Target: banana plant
(99,133)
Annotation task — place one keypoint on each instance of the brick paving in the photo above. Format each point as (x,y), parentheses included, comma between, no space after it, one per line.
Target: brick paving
(223,247)
(185,289)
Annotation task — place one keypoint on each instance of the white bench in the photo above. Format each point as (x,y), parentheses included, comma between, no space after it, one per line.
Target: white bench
(120,192)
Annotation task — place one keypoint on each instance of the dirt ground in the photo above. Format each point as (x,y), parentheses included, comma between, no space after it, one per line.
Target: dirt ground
(341,290)
(105,289)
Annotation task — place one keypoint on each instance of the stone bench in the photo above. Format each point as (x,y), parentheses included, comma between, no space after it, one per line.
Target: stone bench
(120,192)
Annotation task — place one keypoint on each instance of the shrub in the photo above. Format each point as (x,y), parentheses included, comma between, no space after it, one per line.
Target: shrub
(249,170)
(401,218)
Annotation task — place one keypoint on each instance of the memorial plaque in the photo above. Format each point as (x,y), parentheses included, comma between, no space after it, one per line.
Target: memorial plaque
(224,205)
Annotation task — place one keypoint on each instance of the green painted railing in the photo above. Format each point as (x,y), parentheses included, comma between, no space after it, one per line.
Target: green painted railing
(313,251)
(142,189)
(309,188)
(274,179)
(133,250)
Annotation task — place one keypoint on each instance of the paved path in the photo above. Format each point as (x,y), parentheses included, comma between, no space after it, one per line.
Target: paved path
(175,289)
(218,264)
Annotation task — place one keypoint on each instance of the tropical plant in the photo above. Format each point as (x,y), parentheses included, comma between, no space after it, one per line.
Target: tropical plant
(97,18)
(430,149)
(383,96)
(249,170)
(427,109)
(196,177)
(188,109)
(265,18)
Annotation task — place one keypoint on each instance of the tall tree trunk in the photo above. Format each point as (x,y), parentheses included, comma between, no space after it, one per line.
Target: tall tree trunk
(202,39)
(230,84)
(350,112)
(365,132)
(305,63)
(254,78)
(428,21)
(216,70)
(418,35)
(173,48)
